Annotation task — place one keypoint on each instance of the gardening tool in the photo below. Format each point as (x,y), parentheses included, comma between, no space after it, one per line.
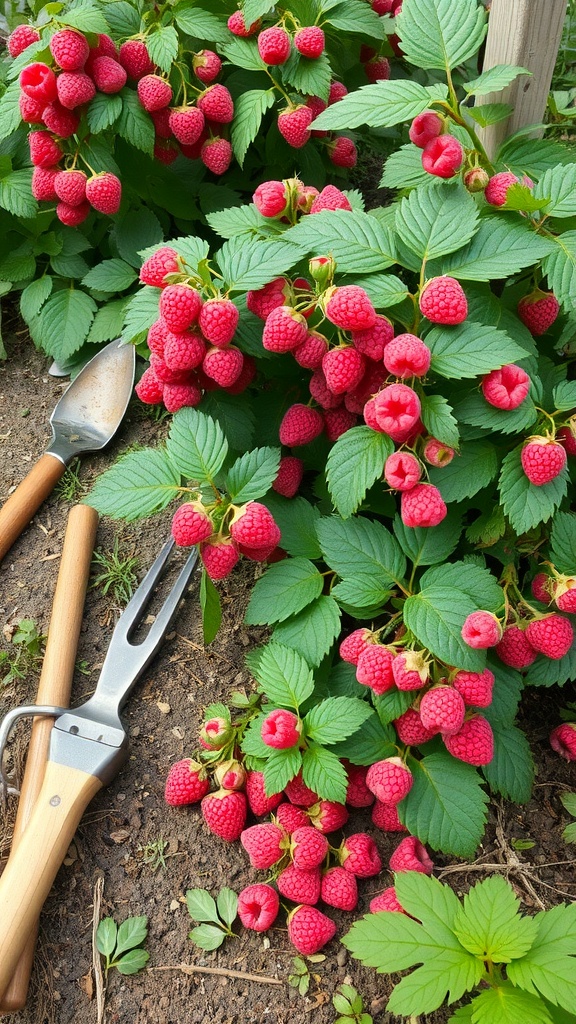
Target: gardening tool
(88,745)
(84,420)
(53,688)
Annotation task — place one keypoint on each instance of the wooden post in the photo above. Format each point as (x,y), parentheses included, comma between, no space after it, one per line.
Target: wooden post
(525,33)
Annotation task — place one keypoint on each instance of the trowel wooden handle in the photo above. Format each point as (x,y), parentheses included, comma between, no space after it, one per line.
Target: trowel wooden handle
(17,512)
(53,688)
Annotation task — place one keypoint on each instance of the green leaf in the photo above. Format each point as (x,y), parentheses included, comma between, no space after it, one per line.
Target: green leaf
(84,16)
(568,801)
(429,545)
(508,686)
(297,520)
(243,53)
(524,504)
(474,580)
(559,185)
(252,742)
(140,314)
(235,415)
(548,672)
(308,76)
(137,485)
(438,419)
(373,742)
(403,169)
(521,197)
(199,23)
(106,936)
(440,33)
(285,589)
(357,241)
(252,474)
(252,263)
(489,924)
(134,124)
(132,932)
(34,296)
(355,462)
(283,675)
(392,704)
(133,961)
(511,770)
(384,290)
(335,719)
(10,116)
(64,322)
(436,616)
(569,833)
(227,903)
(249,110)
(446,806)
(476,411)
(522,154)
(324,773)
(494,79)
(380,105)
(563,542)
(201,905)
(110,276)
(210,607)
(240,220)
(491,113)
(162,45)
(207,936)
(469,349)
(280,768)
(437,220)
(15,194)
(360,592)
(313,631)
(501,247)
(254,9)
(470,471)
(359,545)
(103,111)
(348,17)
(565,395)
(123,18)
(196,445)
(548,967)
(504,1004)
(560,269)
(107,324)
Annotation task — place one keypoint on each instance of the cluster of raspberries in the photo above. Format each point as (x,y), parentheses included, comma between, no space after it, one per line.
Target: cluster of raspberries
(248,530)
(549,634)
(54,98)
(448,708)
(292,845)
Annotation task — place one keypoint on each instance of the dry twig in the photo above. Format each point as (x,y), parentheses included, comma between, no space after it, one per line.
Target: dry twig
(225,972)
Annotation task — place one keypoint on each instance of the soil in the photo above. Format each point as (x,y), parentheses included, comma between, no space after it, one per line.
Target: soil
(162,718)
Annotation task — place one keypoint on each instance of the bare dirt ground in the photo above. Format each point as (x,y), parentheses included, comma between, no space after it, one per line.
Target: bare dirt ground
(162,717)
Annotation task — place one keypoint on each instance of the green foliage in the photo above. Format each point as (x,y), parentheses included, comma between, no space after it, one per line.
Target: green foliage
(25,653)
(215,916)
(349,1005)
(120,944)
(116,573)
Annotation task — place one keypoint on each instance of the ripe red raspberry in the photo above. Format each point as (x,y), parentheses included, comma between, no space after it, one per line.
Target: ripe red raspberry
(337,422)
(507,387)
(390,780)
(271,198)
(310,41)
(473,743)
(538,311)
(134,57)
(543,459)
(179,307)
(387,900)
(187,782)
(309,929)
(20,39)
(426,126)
(247,375)
(497,187)
(42,187)
(564,594)
(31,110)
(374,668)
(70,187)
(300,425)
(258,905)
(165,152)
(407,356)
(385,817)
(514,648)
(342,152)
(357,792)
(328,816)
(219,558)
(154,269)
(274,45)
(476,179)
(264,844)
(44,150)
(289,477)
(215,733)
(349,308)
(186,124)
(290,817)
(372,341)
(225,813)
(308,847)
(224,365)
(320,391)
(339,889)
(377,69)
(206,65)
(410,670)
(397,409)
(337,92)
(294,125)
(299,793)
(154,92)
(254,526)
(75,88)
(216,154)
(359,855)
(411,731)
(442,709)
(104,192)
(300,886)
(216,104)
(481,630)
(330,198)
(177,396)
(72,216)
(343,368)
(258,802)
(60,121)
(272,295)
(402,471)
(149,389)
(218,320)
(70,49)
(38,81)
(563,740)
(105,47)
(551,636)
(284,330)
(109,76)
(437,454)
(281,729)
(237,25)
(475,688)
(539,587)
(411,855)
(191,525)
(443,301)
(352,646)
(443,156)
(567,437)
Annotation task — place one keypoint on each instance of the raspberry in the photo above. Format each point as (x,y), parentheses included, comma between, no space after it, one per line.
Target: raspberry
(216,104)
(154,92)
(149,389)
(310,41)
(72,216)
(538,311)
(219,558)
(567,437)
(330,198)
(247,375)
(357,792)
(374,668)
(497,187)
(230,775)
(552,635)
(437,454)
(70,49)
(154,269)
(224,365)
(476,179)
(180,305)
(442,709)
(254,526)
(299,793)
(237,25)
(377,69)
(177,396)
(410,670)
(44,150)
(564,595)
(387,900)
(328,816)
(539,587)
(352,646)
(290,817)
(359,855)
(43,184)
(218,320)
(225,813)
(109,76)
(75,88)
(31,110)
(371,382)
(263,554)
(70,187)
(38,81)
(507,387)
(473,743)
(402,471)
(187,782)
(299,885)
(343,153)
(258,905)
(337,92)
(207,65)
(294,125)
(165,152)
(475,688)
(442,156)
(281,729)
(215,733)
(105,47)
(426,126)
(397,409)
(300,425)
(407,356)
(309,929)
(481,630)
(274,45)
(443,301)
(186,124)
(320,391)
(271,198)
(289,477)
(337,422)
(350,308)
(411,855)
(258,802)
(104,192)
(134,57)
(542,460)
(343,368)
(563,740)
(284,330)
(514,648)
(308,847)
(372,341)
(384,6)
(60,121)
(385,816)
(411,729)
(216,154)
(20,39)
(390,780)
(264,300)
(339,889)
(263,844)
(191,525)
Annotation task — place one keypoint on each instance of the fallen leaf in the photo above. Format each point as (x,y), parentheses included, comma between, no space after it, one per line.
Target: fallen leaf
(87,985)
(120,835)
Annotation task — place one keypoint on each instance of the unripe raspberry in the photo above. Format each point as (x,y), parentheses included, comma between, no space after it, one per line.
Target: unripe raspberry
(20,39)
(552,635)
(564,594)
(538,311)
(38,81)
(215,733)
(349,308)
(44,150)
(372,341)
(475,688)
(258,905)
(216,104)
(289,477)
(75,88)
(442,709)
(563,740)
(254,526)
(443,156)
(70,187)
(497,187)
(342,152)
(294,125)
(206,65)
(310,41)
(436,453)
(281,729)
(426,126)
(274,45)
(300,425)
(104,193)
(271,198)
(31,110)
(473,743)
(42,187)
(514,648)
(237,25)
(343,368)
(310,353)
(307,194)
(507,387)
(330,198)
(191,525)
(443,301)
(411,855)
(388,901)
(70,49)
(411,730)
(407,356)
(284,330)
(186,124)
(219,557)
(410,670)
(60,121)
(397,410)
(149,389)
(224,365)
(134,57)
(476,179)
(374,668)
(352,646)
(377,69)
(390,780)
(543,459)
(481,630)
(72,216)
(385,817)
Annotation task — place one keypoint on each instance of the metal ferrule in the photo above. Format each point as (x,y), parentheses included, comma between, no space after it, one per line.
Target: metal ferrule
(94,756)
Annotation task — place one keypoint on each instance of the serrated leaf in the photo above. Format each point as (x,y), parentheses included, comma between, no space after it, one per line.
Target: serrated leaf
(523,154)
(297,520)
(110,276)
(243,53)
(84,16)
(134,124)
(162,46)
(504,1004)
(511,770)
(64,322)
(403,169)
(123,18)
(254,9)
(360,592)
(357,241)
(380,105)
(283,675)
(252,263)
(560,269)
(508,687)
(235,415)
(521,197)
(103,111)
(207,936)
(436,616)
(137,485)
(240,220)
(446,806)
(564,396)
(313,631)
(489,924)
(392,704)
(440,33)
(34,296)
(252,474)
(107,324)
(490,113)
(252,742)
(474,580)
(558,184)
(438,220)
(16,195)
(348,17)
(429,985)
(324,773)
(494,79)
(548,967)
(140,313)
(361,546)
(355,462)
(548,671)
(196,445)
(133,961)
(429,545)
(199,23)
(470,471)
(469,349)
(10,116)
(335,718)
(438,419)
(501,247)
(569,833)
(384,290)
(284,590)
(373,742)
(106,936)
(476,411)
(227,903)
(280,768)
(210,607)
(563,542)
(524,504)
(249,109)
(201,905)
(308,76)
(132,932)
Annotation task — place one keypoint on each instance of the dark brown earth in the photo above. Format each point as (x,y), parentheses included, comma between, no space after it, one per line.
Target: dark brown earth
(163,717)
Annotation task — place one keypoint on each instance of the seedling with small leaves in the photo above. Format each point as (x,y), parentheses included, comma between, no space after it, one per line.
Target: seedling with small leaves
(568,801)
(302,976)
(70,488)
(26,654)
(154,853)
(120,945)
(215,916)
(118,575)
(348,1002)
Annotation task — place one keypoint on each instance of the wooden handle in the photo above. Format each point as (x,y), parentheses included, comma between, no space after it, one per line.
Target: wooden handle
(53,688)
(28,496)
(29,874)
